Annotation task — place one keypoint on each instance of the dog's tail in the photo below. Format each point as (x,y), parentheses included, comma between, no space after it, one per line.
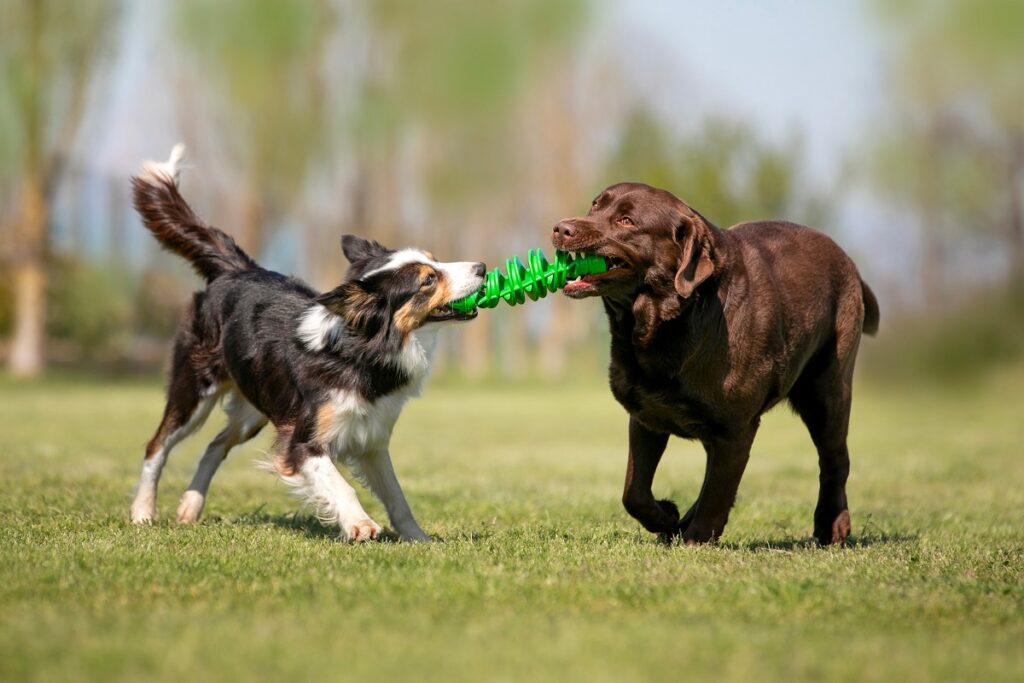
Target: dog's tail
(871,313)
(176,226)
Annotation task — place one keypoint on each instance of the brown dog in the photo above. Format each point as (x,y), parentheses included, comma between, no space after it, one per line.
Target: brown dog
(710,328)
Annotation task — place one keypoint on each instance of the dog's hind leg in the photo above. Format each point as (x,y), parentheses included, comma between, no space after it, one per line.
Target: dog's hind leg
(244,423)
(822,396)
(376,470)
(189,401)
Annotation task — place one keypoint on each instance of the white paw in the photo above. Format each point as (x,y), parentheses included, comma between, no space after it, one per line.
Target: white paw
(363,530)
(143,513)
(190,507)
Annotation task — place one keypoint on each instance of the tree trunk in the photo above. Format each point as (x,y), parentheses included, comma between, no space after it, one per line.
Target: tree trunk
(563,194)
(252,230)
(932,248)
(476,339)
(26,358)
(1015,227)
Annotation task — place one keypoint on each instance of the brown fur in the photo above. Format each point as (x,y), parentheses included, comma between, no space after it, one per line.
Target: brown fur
(414,312)
(711,328)
(168,216)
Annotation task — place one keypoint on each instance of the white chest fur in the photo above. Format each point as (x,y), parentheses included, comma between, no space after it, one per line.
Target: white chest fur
(354,426)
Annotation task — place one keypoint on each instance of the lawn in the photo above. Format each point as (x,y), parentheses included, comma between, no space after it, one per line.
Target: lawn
(536,573)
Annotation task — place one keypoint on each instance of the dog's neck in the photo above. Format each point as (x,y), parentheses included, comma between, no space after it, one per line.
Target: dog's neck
(323,331)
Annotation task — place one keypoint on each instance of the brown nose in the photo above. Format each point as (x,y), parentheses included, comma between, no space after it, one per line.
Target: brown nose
(565,229)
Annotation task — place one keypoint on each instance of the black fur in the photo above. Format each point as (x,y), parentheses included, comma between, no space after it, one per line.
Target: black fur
(242,327)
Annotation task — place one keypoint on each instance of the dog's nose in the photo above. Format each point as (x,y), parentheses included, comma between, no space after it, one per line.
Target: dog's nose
(479,269)
(565,229)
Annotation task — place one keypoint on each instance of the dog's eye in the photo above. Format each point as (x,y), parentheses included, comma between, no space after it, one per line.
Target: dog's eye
(428,281)
(627,221)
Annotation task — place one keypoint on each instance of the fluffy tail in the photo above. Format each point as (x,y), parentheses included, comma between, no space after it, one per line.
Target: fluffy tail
(871,314)
(171,220)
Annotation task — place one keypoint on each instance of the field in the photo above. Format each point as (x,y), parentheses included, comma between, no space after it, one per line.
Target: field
(537,573)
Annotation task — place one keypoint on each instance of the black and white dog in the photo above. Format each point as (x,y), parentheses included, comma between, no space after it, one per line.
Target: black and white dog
(331,371)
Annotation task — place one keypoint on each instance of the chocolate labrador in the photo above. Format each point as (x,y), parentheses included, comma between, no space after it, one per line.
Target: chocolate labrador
(710,328)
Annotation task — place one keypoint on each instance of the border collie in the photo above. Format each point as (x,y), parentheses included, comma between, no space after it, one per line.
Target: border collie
(331,371)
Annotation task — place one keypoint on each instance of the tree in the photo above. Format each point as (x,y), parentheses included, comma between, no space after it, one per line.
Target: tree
(956,158)
(50,50)
(264,61)
(458,71)
(730,172)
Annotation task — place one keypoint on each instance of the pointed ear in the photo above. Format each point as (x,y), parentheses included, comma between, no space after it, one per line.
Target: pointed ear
(692,237)
(350,300)
(357,249)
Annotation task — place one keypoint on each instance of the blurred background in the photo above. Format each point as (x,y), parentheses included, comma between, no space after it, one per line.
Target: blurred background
(470,128)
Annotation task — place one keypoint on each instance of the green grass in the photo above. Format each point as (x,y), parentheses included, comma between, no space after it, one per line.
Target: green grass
(538,574)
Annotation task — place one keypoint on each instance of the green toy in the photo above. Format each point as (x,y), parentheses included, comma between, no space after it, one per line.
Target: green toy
(533,280)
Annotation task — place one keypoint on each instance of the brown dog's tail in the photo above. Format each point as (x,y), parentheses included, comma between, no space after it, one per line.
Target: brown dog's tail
(871,313)
(176,226)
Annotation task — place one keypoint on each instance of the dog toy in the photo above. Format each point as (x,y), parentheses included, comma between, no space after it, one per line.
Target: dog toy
(533,280)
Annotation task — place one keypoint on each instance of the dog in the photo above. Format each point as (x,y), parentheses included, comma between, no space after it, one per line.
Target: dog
(330,370)
(710,328)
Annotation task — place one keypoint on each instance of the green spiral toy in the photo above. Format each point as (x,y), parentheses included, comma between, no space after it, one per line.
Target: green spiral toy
(533,280)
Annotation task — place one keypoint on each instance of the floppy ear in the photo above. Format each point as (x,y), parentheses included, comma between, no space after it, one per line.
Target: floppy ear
(351,300)
(358,249)
(695,264)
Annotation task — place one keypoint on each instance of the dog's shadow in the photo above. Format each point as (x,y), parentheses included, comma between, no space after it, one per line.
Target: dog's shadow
(311,526)
(789,544)
(306,524)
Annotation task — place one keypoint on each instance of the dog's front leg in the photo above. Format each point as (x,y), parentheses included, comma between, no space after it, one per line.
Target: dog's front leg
(334,498)
(726,459)
(645,450)
(379,474)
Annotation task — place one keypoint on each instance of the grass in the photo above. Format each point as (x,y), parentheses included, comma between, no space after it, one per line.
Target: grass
(537,574)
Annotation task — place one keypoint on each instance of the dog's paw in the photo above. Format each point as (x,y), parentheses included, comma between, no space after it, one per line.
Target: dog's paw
(363,530)
(142,517)
(190,507)
(418,536)
(837,532)
(143,511)
(670,529)
(671,510)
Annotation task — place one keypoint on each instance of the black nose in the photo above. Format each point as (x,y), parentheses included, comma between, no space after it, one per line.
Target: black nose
(479,269)
(565,229)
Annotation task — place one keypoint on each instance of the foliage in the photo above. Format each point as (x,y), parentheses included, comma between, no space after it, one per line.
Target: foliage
(73,36)
(160,299)
(6,302)
(982,336)
(952,150)
(263,61)
(538,574)
(458,69)
(90,305)
(725,169)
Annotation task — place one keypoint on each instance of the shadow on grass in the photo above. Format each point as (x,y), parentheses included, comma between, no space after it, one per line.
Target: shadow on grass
(787,544)
(309,525)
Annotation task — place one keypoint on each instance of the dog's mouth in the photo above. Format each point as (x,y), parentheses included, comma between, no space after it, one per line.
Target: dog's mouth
(445,313)
(590,285)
